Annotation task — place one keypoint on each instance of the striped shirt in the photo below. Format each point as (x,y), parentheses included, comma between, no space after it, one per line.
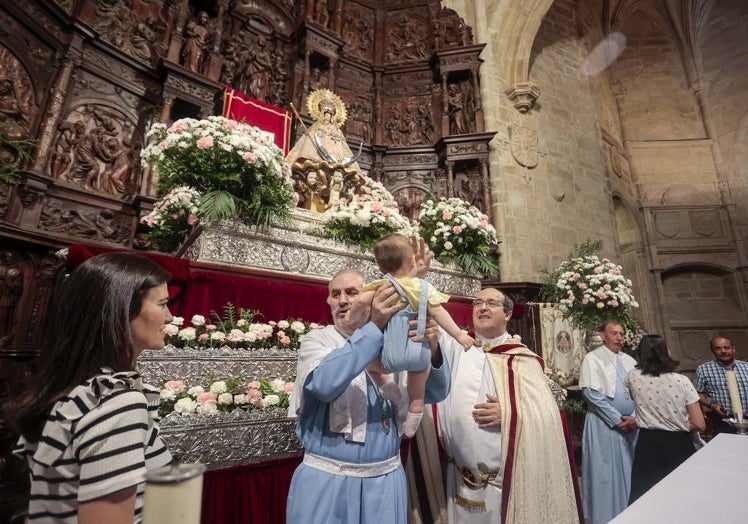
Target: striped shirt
(710,378)
(98,439)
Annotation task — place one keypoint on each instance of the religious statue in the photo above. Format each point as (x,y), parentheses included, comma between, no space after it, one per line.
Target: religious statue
(255,77)
(196,36)
(11,288)
(62,156)
(323,167)
(457,120)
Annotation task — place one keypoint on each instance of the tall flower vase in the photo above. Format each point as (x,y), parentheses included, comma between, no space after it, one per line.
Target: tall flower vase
(592,340)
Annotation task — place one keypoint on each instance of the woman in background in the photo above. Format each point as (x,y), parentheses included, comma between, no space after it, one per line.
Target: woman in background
(667,410)
(86,422)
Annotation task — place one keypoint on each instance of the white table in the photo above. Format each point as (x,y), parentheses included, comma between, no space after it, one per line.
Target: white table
(710,487)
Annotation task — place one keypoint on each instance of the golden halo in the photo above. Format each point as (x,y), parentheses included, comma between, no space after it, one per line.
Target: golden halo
(318,96)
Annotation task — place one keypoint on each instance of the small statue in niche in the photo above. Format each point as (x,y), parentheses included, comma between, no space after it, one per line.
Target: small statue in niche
(143,37)
(457,119)
(318,79)
(11,289)
(196,38)
(321,14)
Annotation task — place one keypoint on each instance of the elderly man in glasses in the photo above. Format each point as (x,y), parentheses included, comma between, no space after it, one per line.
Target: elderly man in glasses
(501,428)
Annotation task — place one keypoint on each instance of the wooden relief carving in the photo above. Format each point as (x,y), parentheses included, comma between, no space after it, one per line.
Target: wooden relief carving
(407,39)
(97,148)
(358,34)
(409,122)
(98,224)
(16,102)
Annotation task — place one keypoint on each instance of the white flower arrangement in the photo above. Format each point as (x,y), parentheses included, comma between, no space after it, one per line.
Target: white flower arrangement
(173,217)
(237,169)
(237,329)
(459,232)
(369,216)
(589,289)
(223,396)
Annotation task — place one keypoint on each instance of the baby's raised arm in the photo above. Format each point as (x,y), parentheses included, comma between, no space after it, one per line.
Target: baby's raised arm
(446,322)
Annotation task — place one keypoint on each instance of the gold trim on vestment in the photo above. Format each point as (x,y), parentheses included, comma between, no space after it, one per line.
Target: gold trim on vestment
(472,506)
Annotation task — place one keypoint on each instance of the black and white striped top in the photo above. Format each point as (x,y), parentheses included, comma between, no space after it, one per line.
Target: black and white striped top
(98,439)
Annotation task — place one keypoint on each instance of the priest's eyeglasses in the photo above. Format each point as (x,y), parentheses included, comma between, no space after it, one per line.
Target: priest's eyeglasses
(490,303)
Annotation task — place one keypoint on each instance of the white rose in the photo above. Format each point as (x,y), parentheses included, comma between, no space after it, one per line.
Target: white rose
(225,398)
(270,400)
(207,409)
(277,385)
(241,399)
(170,330)
(448,245)
(298,327)
(197,320)
(250,337)
(195,391)
(218,387)
(283,324)
(241,322)
(185,405)
(167,394)
(187,333)
(218,335)
(177,321)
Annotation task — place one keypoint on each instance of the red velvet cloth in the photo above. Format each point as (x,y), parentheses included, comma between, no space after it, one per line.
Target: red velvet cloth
(267,117)
(251,494)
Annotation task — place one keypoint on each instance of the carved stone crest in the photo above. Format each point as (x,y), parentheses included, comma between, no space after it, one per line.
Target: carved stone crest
(523,140)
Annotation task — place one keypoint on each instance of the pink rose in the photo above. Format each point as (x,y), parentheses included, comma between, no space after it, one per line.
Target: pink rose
(210,327)
(204,142)
(207,398)
(192,220)
(177,386)
(236,335)
(376,207)
(249,157)
(285,340)
(288,387)
(254,396)
(447,215)
(598,269)
(253,385)
(457,230)
(203,337)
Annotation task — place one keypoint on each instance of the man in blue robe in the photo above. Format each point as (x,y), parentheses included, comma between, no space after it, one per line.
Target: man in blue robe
(351,472)
(610,430)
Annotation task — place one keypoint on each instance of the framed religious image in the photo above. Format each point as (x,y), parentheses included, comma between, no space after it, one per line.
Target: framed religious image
(562,344)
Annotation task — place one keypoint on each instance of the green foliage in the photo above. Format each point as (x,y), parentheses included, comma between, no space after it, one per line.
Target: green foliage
(19,153)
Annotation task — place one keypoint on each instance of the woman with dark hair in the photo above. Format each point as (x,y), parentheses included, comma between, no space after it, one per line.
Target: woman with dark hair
(667,410)
(86,422)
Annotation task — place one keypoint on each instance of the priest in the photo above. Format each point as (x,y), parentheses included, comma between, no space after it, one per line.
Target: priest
(509,459)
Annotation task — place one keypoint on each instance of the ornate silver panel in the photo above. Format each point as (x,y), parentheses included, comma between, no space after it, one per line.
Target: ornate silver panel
(298,250)
(193,366)
(230,439)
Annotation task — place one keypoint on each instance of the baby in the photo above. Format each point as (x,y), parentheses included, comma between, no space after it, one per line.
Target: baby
(396,259)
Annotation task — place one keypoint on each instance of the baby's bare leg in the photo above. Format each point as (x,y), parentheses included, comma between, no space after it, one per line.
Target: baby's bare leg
(416,395)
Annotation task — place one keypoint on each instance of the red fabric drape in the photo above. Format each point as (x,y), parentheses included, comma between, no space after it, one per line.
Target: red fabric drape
(267,117)
(252,494)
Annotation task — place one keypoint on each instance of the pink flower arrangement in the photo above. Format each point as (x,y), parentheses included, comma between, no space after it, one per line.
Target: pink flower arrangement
(224,396)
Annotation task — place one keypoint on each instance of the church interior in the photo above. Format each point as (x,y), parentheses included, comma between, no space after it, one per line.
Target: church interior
(624,121)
